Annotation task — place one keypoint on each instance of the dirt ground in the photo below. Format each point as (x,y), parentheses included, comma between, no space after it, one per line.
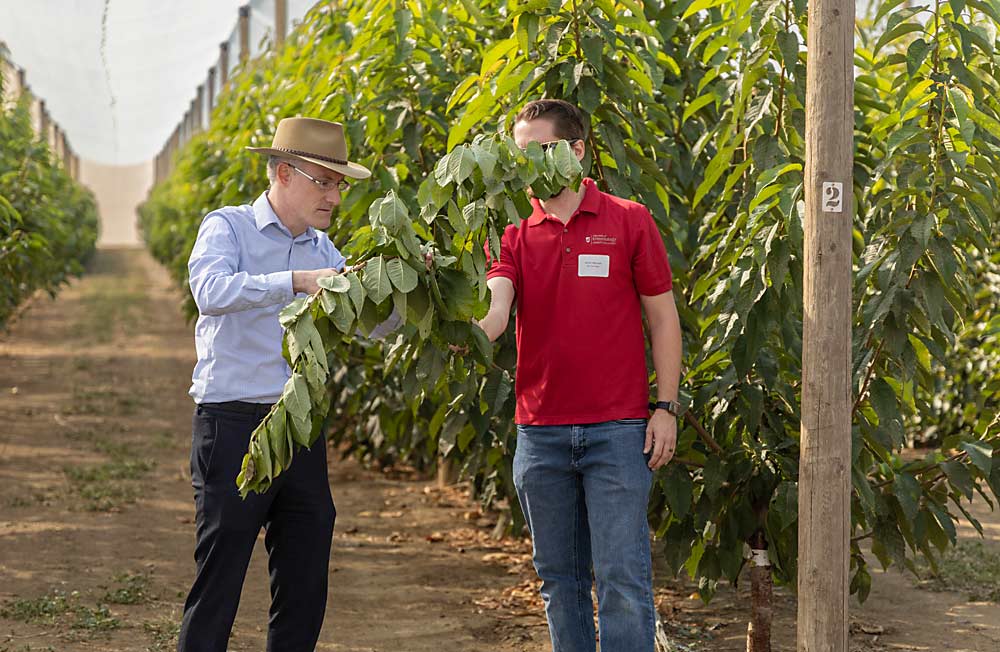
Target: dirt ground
(97,533)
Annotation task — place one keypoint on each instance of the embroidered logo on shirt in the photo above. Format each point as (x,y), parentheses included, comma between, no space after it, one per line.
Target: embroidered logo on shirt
(601,239)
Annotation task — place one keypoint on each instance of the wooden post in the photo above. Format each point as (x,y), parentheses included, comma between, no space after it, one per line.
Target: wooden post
(199,113)
(43,122)
(211,91)
(64,148)
(280,22)
(825,457)
(22,82)
(223,64)
(54,142)
(244,33)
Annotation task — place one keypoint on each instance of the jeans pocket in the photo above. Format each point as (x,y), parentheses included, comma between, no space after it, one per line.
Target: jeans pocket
(203,441)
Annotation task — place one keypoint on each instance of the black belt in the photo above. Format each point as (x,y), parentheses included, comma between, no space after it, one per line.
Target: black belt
(242,407)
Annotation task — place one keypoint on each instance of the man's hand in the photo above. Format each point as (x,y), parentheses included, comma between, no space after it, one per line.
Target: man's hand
(661,438)
(305,280)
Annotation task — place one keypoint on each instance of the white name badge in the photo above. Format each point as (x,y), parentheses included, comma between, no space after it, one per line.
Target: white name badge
(598,265)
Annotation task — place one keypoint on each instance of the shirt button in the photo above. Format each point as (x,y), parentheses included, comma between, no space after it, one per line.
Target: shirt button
(567,249)
(565,230)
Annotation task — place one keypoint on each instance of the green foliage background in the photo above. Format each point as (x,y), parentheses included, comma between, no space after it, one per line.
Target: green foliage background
(48,222)
(697,110)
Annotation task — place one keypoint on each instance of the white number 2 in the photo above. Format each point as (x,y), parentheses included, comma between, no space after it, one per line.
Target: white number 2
(833,197)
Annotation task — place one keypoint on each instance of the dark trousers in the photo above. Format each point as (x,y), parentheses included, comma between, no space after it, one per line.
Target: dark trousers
(298,515)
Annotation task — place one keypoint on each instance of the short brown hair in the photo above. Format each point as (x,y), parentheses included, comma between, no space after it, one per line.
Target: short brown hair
(566,119)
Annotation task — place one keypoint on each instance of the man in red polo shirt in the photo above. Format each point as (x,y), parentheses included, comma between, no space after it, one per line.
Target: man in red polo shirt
(583,268)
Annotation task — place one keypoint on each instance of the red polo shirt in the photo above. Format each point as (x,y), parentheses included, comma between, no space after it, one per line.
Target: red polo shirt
(580,342)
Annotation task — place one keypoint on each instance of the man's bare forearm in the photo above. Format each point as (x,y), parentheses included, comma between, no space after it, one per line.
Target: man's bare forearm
(501,299)
(665,339)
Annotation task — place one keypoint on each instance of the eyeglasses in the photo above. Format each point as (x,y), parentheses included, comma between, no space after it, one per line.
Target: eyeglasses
(326,185)
(552,143)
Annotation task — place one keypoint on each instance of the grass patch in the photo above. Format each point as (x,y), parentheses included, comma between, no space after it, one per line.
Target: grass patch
(165,439)
(60,608)
(129,588)
(971,567)
(106,487)
(28,499)
(116,297)
(162,634)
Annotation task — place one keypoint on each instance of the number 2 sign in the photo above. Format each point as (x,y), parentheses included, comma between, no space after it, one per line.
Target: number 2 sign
(833,197)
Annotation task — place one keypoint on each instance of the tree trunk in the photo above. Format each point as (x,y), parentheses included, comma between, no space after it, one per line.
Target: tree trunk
(761,591)
(447,472)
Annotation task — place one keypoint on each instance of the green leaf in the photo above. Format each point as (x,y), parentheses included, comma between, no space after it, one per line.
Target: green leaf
(483,345)
(343,317)
(907,491)
(356,292)
(916,53)
(292,311)
(697,104)
(959,477)
(679,490)
(393,214)
(461,163)
(457,293)
(401,274)
(296,396)
(883,399)
(981,455)
(486,160)
(896,32)
(788,45)
(699,5)
(334,283)
(861,584)
(566,161)
(376,280)
(593,51)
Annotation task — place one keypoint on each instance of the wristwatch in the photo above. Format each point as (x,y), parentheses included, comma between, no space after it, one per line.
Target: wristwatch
(673,407)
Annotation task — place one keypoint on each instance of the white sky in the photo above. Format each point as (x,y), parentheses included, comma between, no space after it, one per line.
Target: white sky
(158,52)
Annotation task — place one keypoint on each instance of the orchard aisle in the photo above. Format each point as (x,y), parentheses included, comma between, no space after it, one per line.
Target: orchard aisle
(96,531)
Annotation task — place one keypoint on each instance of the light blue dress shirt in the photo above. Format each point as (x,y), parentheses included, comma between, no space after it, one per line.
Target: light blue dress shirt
(241,277)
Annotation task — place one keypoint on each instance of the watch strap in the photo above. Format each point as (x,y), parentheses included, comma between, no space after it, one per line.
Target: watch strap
(673,407)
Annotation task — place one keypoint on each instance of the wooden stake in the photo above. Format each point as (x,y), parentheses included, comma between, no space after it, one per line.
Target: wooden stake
(223,64)
(211,91)
(199,112)
(825,457)
(244,27)
(280,22)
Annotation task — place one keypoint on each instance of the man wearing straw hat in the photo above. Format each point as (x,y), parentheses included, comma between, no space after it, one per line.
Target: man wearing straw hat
(248,263)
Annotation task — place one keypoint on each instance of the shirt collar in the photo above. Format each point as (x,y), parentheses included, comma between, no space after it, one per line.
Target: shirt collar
(263,214)
(591,203)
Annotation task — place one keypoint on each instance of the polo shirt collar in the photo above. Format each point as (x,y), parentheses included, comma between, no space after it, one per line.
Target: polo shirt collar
(263,214)
(591,203)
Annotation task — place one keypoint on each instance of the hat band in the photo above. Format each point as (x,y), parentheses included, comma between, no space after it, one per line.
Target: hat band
(299,152)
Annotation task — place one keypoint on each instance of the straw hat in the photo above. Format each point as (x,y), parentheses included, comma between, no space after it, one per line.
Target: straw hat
(316,141)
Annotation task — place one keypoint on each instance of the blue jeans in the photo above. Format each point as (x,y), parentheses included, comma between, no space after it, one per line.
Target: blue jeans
(584,491)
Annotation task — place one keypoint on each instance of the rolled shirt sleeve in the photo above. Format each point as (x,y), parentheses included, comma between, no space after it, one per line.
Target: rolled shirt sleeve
(218,288)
